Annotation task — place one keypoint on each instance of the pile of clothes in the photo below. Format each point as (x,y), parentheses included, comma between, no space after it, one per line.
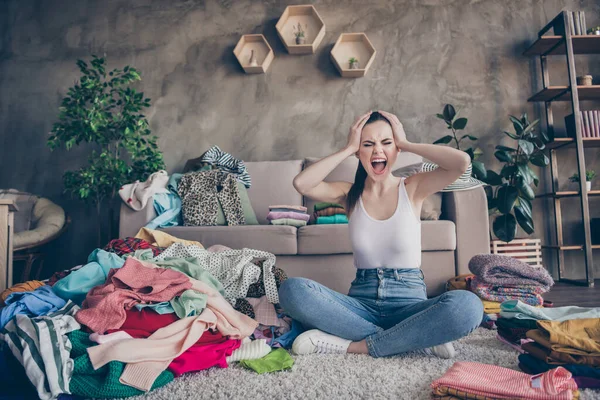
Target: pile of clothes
(500,278)
(211,191)
(568,337)
(291,215)
(141,312)
(471,380)
(329,213)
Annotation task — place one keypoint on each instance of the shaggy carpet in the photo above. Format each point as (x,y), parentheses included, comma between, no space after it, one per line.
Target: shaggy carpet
(342,376)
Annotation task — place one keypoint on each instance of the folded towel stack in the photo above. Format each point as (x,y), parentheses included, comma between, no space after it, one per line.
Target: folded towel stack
(330,213)
(288,215)
(500,278)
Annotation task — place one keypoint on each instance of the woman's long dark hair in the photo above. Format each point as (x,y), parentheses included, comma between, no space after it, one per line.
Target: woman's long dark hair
(361,174)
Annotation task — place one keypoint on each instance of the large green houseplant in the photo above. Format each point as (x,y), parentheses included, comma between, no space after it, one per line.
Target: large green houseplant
(450,116)
(510,192)
(104,111)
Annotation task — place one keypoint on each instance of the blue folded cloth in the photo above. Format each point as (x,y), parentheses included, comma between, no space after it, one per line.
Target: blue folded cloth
(41,301)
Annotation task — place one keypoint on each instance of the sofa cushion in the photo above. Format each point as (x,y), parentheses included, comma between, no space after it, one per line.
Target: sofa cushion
(276,239)
(272,183)
(23,218)
(335,239)
(346,170)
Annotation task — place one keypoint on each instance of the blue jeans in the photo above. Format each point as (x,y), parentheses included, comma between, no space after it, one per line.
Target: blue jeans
(387,307)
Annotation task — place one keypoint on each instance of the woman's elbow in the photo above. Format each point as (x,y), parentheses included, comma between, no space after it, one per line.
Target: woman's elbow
(298,186)
(465,162)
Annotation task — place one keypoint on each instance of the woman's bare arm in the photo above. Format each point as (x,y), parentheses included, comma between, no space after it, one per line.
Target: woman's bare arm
(310,181)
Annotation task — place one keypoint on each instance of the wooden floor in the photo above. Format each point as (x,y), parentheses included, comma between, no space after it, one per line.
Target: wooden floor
(563,294)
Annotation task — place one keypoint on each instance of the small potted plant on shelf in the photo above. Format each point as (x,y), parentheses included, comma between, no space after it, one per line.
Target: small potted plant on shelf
(300,33)
(594,31)
(589,177)
(353,63)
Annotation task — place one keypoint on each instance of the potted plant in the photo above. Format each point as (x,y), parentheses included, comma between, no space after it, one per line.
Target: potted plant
(353,63)
(510,192)
(594,31)
(300,34)
(589,177)
(455,124)
(103,111)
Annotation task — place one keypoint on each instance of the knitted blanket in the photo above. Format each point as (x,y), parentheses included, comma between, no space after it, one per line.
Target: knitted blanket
(527,294)
(503,270)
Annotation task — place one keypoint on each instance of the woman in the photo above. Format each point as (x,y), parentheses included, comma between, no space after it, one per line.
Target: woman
(386,311)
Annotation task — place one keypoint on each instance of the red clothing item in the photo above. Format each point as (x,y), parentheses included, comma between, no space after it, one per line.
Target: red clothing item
(209,351)
(104,306)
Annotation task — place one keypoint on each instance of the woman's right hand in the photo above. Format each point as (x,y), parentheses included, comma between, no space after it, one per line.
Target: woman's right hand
(356,131)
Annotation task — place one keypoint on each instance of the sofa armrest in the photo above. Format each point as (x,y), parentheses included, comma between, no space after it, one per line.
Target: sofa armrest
(130,221)
(469,212)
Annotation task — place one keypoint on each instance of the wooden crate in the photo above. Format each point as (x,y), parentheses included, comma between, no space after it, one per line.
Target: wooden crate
(527,250)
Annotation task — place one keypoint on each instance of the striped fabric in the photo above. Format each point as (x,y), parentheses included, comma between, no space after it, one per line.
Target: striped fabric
(226,162)
(503,383)
(41,346)
(464,182)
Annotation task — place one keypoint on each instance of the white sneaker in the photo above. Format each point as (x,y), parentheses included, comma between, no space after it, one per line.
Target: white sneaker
(316,341)
(445,350)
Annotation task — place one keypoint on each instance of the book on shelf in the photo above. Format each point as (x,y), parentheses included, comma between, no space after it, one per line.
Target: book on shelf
(577,22)
(590,124)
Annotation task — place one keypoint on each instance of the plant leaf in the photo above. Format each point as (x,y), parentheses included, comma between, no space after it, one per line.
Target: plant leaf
(517,125)
(479,171)
(524,215)
(539,159)
(493,178)
(505,148)
(503,156)
(469,151)
(460,123)
(507,195)
(525,190)
(440,116)
(449,112)
(511,135)
(505,227)
(445,140)
(526,146)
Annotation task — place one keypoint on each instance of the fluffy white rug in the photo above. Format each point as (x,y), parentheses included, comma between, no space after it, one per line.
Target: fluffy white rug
(342,376)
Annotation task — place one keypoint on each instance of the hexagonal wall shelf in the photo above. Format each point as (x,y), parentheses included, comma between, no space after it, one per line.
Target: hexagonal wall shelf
(310,22)
(262,52)
(353,45)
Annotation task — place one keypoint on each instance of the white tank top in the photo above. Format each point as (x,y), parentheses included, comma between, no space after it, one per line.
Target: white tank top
(391,243)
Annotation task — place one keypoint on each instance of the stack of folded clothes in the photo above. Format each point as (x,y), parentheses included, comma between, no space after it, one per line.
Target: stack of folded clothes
(500,278)
(288,215)
(330,213)
(472,380)
(564,336)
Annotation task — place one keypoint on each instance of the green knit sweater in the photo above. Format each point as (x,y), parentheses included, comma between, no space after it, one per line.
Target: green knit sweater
(103,382)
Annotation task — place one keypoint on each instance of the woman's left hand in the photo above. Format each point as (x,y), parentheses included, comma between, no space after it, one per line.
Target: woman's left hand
(397,129)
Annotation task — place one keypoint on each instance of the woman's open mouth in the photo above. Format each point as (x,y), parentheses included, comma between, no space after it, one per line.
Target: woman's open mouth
(379,165)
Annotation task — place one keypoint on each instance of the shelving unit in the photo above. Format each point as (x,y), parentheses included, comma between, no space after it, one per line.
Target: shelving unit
(262,51)
(355,45)
(310,21)
(567,45)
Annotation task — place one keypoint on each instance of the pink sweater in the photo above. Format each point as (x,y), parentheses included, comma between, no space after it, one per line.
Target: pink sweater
(287,214)
(499,382)
(104,306)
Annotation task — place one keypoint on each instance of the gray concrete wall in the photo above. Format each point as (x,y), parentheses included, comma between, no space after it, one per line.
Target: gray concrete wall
(428,53)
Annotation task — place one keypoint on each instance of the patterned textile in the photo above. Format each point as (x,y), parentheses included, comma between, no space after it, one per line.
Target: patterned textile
(201,193)
(508,271)
(40,346)
(498,382)
(237,270)
(130,245)
(257,289)
(226,162)
(58,276)
(494,292)
(243,306)
(265,311)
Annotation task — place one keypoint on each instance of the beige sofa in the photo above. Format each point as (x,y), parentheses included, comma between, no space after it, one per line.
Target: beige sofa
(323,252)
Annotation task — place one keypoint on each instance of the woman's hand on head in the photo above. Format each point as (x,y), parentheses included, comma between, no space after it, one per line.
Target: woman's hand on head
(356,131)
(397,129)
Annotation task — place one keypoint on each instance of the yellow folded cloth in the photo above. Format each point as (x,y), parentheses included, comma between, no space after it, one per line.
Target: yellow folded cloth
(162,239)
(28,286)
(574,336)
(491,307)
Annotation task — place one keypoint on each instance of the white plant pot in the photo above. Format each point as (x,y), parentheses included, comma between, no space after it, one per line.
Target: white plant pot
(588,185)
